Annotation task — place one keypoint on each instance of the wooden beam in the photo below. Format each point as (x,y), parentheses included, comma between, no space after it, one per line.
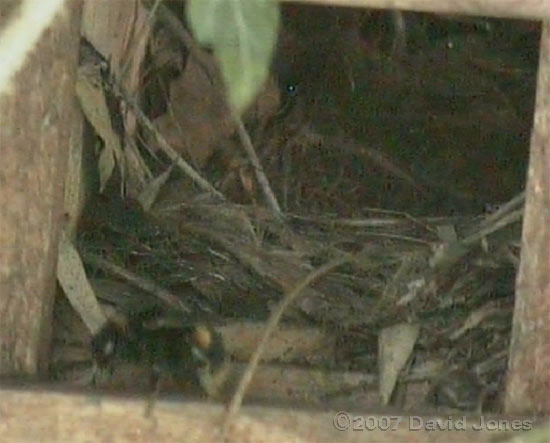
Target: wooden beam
(39,120)
(525,9)
(528,384)
(36,414)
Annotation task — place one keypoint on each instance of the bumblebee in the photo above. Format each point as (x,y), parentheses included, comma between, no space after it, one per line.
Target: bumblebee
(192,356)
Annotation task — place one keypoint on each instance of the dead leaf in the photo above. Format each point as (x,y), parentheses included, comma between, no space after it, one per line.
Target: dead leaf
(395,345)
(149,194)
(72,278)
(91,95)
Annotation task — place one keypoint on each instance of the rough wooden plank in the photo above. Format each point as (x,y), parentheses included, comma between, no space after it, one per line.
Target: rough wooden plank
(526,9)
(38,121)
(39,415)
(528,388)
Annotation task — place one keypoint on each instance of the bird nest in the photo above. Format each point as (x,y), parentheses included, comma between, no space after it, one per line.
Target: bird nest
(376,305)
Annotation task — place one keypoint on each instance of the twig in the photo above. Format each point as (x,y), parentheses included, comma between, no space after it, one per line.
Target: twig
(168,150)
(259,171)
(203,59)
(136,42)
(139,282)
(177,28)
(517,201)
(484,231)
(272,323)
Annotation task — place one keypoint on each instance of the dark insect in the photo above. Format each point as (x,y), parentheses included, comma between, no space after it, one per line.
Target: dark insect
(193,356)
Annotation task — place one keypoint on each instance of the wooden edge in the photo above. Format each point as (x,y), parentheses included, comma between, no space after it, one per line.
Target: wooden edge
(37,413)
(524,9)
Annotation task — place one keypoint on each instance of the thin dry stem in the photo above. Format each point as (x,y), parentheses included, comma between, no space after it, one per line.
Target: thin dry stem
(137,281)
(258,169)
(272,323)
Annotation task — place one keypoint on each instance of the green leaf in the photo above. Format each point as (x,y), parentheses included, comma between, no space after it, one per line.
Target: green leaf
(243,34)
